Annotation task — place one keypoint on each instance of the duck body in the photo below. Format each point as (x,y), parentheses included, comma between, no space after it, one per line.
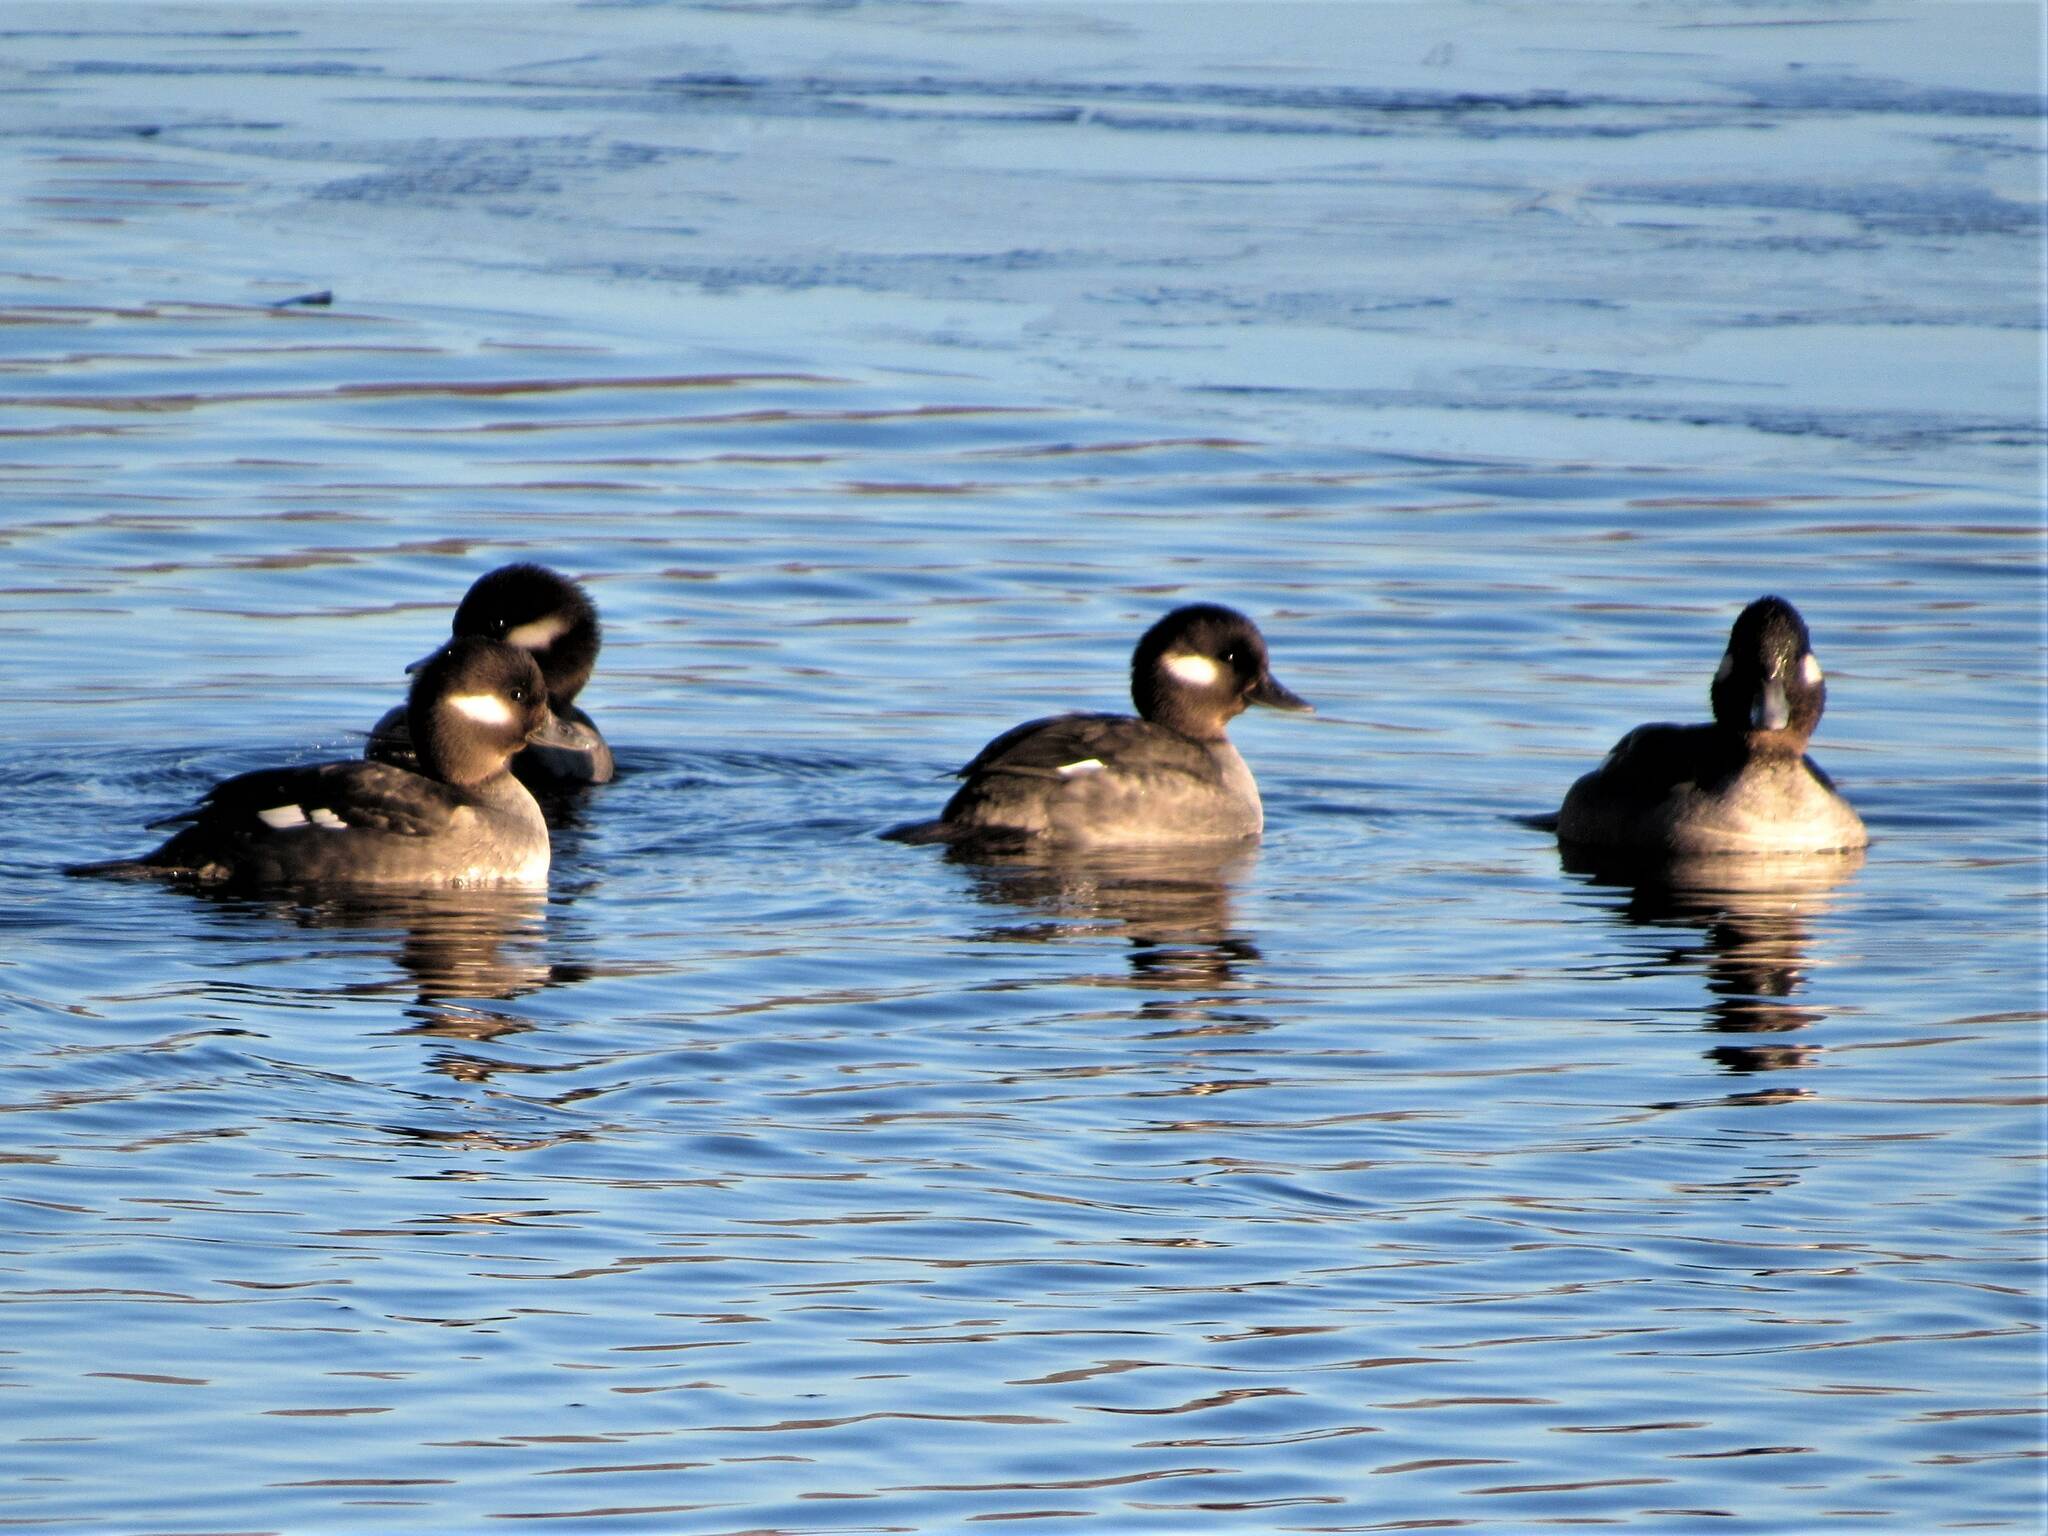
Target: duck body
(1690,789)
(1166,776)
(1089,779)
(552,618)
(357,823)
(462,819)
(1739,784)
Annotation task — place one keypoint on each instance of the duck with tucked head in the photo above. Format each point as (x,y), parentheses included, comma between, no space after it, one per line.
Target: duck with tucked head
(1168,776)
(1742,784)
(460,819)
(551,617)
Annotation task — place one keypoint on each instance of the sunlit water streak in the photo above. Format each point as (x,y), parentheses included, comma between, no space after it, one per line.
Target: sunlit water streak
(760,1176)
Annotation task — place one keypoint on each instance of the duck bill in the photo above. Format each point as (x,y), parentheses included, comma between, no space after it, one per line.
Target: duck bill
(1274,694)
(414,666)
(1770,710)
(553,733)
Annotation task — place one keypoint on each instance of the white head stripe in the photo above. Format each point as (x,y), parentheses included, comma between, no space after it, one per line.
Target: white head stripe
(1190,668)
(1086,765)
(538,635)
(484,708)
(1727,666)
(1809,670)
(278,817)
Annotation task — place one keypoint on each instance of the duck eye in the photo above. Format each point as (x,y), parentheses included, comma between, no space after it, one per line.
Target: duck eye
(518,695)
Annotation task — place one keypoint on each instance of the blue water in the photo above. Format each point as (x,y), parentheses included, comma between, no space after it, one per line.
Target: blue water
(885,370)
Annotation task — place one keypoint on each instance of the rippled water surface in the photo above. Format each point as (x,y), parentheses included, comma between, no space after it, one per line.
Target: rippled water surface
(885,369)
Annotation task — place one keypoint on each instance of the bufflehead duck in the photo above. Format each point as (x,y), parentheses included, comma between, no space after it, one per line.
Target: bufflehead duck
(1169,777)
(537,610)
(462,819)
(1740,785)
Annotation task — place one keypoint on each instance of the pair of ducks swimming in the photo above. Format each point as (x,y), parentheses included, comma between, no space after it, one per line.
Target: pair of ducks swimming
(442,795)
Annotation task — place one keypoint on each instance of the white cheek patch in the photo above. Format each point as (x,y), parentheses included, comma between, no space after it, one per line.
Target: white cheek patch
(484,708)
(1197,671)
(1727,666)
(1075,770)
(538,635)
(1809,670)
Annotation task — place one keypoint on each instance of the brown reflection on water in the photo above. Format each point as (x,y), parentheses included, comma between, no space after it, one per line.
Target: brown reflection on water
(454,950)
(450,945)
(1757,913)
(1172,908)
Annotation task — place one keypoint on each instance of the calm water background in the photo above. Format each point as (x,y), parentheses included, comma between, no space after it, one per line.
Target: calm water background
(885,369)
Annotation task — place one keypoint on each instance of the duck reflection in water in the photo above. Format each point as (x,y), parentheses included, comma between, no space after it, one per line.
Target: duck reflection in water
(1171,907)
(1756,912)
(455,951)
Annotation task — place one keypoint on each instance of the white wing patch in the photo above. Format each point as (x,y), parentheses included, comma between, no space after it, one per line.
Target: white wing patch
(1809,670)
(282,818)
(1199,671)
(538,635)
(1075,770)
(484,708)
